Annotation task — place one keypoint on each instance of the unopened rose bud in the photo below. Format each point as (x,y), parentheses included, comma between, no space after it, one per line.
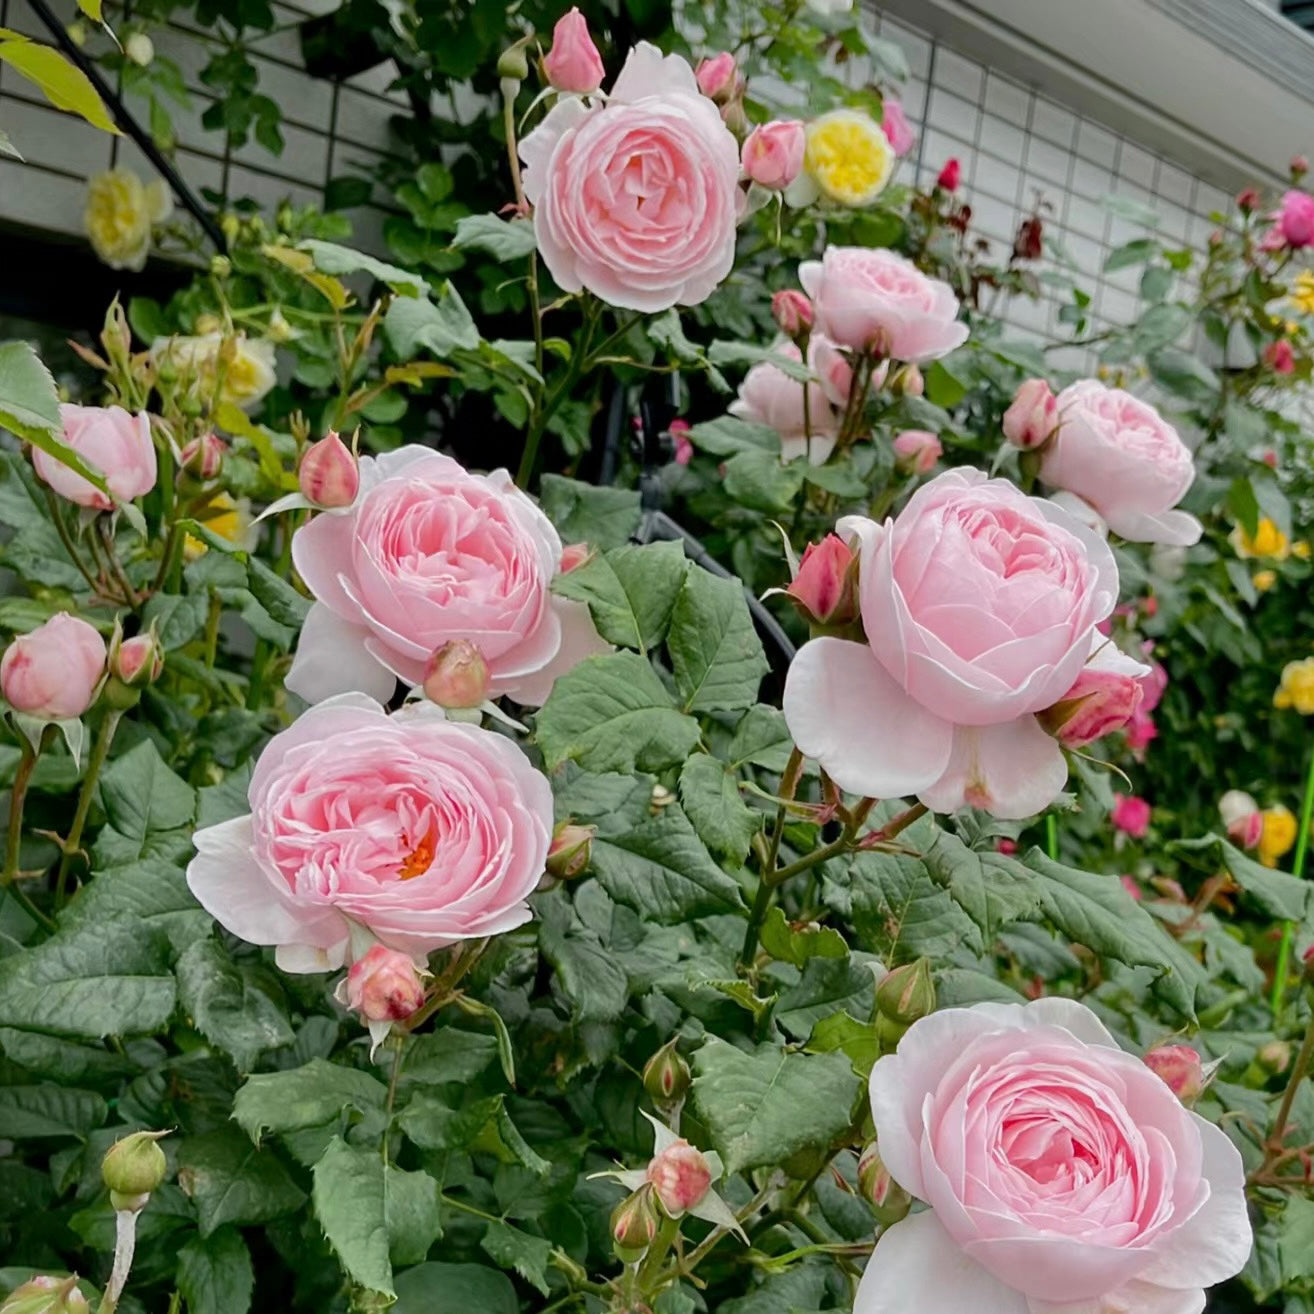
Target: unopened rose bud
(1032,418)
(1299,167)
(907,994)
(140,49)
(203,458)
(680,1177)
(571,851)
(1100,702)
(574,555)
(221,266)
(1247,199)
(329,477)
(384,985)
(666,1075)
(734,117)
(573,64)
(1242,818)
(1274,1057)
(132,1168)
(634,1224)
(457,675)
(916,451)
(138,661)
(513,65)
(889,1201)
(792,312)
(718,77)
(1006,846)
(908,382)
(46,1295)
(773,154)
(950,176)
(825,588)
(55,671)
(1180,1068)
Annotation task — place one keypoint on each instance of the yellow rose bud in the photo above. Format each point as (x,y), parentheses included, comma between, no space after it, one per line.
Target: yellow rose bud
(1300,549)
(1267,541)
(848,156)
(120,212)
(1278,836)
(1264,580)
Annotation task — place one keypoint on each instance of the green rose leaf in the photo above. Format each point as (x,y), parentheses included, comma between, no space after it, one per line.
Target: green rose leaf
(715,652)
(710,794)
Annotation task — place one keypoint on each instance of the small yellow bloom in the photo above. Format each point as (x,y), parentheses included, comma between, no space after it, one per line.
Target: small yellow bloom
(1296,688)
(1264,580)
(1300,549)
(1267,541)
(1278,836)
(848,156)
(247,365)
(228,517)
(1302,294)
(119,214)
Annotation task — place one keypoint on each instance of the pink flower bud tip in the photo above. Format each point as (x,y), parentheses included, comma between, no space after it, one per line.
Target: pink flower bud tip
(1279,357)
(1006,846)
(1130,884)
(571,849)
(55,671)
(718,77)
(574,555)
(457,675)
(825,588)
(573,64)
(329,477)
(203,457)
(137,661)
(916,451)
(1099,703)
(680,1177)
(1033,416)
(792,312)
(384,985)
(950,176)
(773,154)
(1180,1068)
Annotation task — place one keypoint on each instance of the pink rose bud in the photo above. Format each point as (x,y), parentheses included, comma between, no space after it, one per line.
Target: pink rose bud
(894,123)
(1130,885)
(684,449)
(55,671)
(329,477)
(573,64)
(571,850)
(666,1076)
(1006,846)
(1279,357)
(109,440)
(203,457)
(46,1295)
(1242,817)
(825,588)
(907,382)
(950,176)
(1032,418)
(916,451)
(718,77)
(1299,167)
(574,555)
(457,675)
(1247,199)
(1274,1057)
(773,153)
(634,1223)
(1294,221)
(1100,702)
(137,661)
(792,312)
(384,985)
(889,1201)
(680,1177)
(1131,815)
(1269,458)
(1180,1068)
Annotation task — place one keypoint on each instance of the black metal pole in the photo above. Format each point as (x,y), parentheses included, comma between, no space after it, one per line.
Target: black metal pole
(130,125)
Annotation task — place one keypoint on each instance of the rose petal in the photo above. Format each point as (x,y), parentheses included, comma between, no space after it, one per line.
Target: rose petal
(1012,771)
(332,658)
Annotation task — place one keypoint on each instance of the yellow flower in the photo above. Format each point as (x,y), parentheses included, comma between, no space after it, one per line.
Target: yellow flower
(1278,836)
(247,365)
(1267,541)
(1302,294)
(1296,688)
(1300,549)
(228,517)
(1264,580)
(119,214)
(848,156)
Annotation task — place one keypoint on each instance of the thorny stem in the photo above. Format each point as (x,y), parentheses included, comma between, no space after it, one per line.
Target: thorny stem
(1297,870)
(99,752)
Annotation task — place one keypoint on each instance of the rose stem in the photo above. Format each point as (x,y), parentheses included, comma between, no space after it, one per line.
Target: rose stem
(99,752)
(1297,870)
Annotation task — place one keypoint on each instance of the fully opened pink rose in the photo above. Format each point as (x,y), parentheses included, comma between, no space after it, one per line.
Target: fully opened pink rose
(1063,1175)
(115,443)
(426,555)
(407,829)
(1118,454)
(874,300)
(636,198)
(980,607)
(769,396)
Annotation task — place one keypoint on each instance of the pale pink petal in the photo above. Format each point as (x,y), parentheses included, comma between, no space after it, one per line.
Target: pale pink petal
(299,959)
(1172,528)
(844,710)
(579,639)
(332,658)
(1131,1298)
(817,448)
(917,1269)
(1013,770)
(321,553)
(536,148)
(1055,1011)
(647,72)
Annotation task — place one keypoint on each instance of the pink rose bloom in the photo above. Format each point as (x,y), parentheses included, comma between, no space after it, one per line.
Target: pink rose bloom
(573,64)
(680,1176)
(115,443)
(980,606)
(1118,454)
(1131,815)
(420,830)
(769,396)
(426,554)
(1294,221)
(636,198)
(873,300)
(917,451)
(1242,818)
(894,123)
(54,672)
(1064,1177)
(773,153)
